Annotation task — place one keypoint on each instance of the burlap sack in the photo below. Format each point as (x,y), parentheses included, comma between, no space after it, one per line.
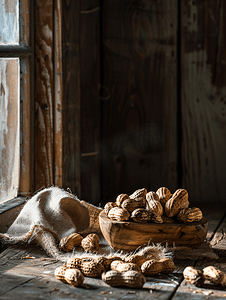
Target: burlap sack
(47,217)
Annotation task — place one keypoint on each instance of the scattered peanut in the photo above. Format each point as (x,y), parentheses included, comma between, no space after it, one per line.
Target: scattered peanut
(214,275)
(120,266)
(71,276)
(193,276)
(136,259)
(60,272)
(74,277)
(168,265)
(131,279)
(88,266)
(90,243)
(68,243)
(151,267)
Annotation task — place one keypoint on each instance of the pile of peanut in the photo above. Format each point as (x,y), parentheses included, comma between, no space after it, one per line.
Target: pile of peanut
(210,273)
(113,270)
(157,207)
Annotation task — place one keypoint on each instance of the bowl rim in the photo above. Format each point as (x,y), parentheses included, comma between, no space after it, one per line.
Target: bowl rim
(104,216)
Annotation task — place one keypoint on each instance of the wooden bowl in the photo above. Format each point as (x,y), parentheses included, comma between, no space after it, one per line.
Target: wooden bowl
(130,235)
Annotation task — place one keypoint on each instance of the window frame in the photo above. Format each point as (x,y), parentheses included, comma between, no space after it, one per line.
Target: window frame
(24,51)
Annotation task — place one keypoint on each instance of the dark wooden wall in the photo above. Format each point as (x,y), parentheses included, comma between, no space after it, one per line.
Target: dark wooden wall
(139,126)
(143,100)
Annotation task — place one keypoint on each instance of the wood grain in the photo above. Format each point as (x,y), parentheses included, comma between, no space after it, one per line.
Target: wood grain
(71,96)
(9,128)
(203,98)
(26,185)
(139,96)
(218,241)
(90,100)
(129,236)
(43,93)
(24,23)
(58,95)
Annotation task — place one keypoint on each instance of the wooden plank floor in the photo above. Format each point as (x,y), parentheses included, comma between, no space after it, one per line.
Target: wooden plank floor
(33,278)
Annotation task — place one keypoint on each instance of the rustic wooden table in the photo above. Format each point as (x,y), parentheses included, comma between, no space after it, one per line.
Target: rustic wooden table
(33,277)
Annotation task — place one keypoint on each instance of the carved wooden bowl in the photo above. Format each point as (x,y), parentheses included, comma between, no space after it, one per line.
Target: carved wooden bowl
(130,235)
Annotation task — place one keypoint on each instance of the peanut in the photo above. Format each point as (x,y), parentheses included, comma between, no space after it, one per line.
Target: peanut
(120,266)
(136,259)
(164,195)
(74,277)
(119,214)
(156,218)
(138,193)
(141,215)
(214,275)
(132,204)
(152,267)
(153,203)
(168,265)
(108,206)
(74,263)
(152,196)
(173,205)
(69,242)
(90,243)
(90,266)
(188,215)
(132,279)
(193,276)
(167,220)
(60,272)
(121,198)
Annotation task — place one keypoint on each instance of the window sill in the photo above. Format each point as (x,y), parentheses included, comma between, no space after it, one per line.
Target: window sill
(9,210)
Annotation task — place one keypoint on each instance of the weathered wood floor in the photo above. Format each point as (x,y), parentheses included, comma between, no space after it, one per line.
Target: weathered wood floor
(32,278)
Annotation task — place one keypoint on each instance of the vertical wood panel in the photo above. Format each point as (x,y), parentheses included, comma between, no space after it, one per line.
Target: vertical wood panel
(139,95)
(71,96)
(204,98)
(90,101)
(9,128)
(43,93)
(26,168)
(26,186)
(58,94)
(24,23)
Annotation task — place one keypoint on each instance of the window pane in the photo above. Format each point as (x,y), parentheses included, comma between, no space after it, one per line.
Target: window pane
(9,128)
(9,22)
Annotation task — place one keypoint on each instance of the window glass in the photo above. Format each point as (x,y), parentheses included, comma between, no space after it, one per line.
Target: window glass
(9,127)
(9,22)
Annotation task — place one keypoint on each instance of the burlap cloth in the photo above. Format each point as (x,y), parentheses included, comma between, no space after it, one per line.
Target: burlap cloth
(53,214)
